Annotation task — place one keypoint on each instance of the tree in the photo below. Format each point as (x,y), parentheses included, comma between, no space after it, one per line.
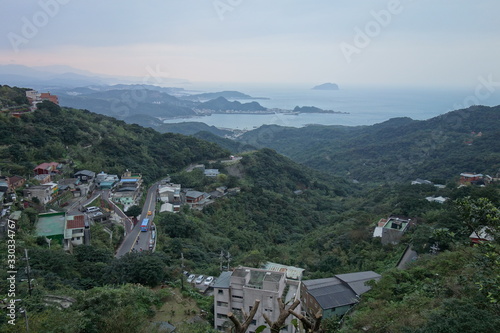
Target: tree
(460,316)
(134,211)
(144,268)
(479,213)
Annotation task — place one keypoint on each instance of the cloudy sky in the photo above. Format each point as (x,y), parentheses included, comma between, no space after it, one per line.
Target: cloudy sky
(388,42)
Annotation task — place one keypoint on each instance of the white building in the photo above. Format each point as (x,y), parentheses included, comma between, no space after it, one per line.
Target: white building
(237,291)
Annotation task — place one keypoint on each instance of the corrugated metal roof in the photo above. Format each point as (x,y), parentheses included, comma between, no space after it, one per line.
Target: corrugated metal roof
(291,271)
(333,294)
(223,281)
(193,194)
(75,222)
(340,290)
(87,173)
(357,280)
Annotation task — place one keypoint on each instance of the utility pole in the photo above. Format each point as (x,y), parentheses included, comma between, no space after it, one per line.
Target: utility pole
(28,269)
(221,259)
(182,271)
(228,260)
(25,313)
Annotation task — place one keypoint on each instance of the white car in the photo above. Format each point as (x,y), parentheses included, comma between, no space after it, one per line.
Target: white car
(199,279)
(191,278)
(209,280)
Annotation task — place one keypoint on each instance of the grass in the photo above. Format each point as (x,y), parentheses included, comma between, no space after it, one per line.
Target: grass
(177,309)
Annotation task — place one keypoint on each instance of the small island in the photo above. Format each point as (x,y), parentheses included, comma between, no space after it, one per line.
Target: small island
(313,109)
(326,86)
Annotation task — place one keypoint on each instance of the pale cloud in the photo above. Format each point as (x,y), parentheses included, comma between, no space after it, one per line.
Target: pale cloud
(425,43)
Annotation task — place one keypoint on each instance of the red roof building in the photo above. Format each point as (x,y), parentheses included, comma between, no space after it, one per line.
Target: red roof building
(46,168)
(78,222)
(49,97)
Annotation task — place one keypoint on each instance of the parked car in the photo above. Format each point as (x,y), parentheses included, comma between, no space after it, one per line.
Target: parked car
(208,280)
(199,279)
(92,209)
(149,212)
(191,278)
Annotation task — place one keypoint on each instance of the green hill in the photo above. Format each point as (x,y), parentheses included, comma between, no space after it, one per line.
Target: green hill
(190,128)
(396,150)
(231,145)
(95,142)
(12,96)
(274,209)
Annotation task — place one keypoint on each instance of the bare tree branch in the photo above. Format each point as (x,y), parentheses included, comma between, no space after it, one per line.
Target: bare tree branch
(242,328)
(284,313)
(309,326)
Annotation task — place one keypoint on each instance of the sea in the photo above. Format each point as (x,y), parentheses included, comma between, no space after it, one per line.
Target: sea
(359,105)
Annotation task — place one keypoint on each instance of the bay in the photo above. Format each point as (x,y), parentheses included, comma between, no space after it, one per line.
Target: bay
(364,105)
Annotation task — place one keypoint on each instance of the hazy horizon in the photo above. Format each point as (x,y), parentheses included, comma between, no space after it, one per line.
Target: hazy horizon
(385,43)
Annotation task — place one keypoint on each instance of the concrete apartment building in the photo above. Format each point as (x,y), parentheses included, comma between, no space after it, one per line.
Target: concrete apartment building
(236,291)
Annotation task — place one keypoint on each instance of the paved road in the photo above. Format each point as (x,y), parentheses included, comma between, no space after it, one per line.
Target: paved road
(128,224)
(74,208)
(136,239)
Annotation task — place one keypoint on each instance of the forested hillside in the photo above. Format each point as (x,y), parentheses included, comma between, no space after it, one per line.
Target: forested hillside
(12,96)
(274,209)
(396,150)
(94,142)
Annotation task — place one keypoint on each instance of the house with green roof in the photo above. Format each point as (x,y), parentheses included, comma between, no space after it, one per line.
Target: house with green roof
(67,230)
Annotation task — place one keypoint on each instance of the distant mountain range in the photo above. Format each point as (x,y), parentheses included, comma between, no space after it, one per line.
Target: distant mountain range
(125,99)
(226,94)
(52,77)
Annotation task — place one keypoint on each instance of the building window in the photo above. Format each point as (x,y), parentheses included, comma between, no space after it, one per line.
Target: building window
(254,322)
(268,310)
(239,297)
(224,304)
(221,292)
(221,316)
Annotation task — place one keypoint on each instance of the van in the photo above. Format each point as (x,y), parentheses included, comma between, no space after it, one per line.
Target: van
(92,209)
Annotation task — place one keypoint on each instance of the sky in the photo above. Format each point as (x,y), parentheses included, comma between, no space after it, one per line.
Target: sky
(438,43)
